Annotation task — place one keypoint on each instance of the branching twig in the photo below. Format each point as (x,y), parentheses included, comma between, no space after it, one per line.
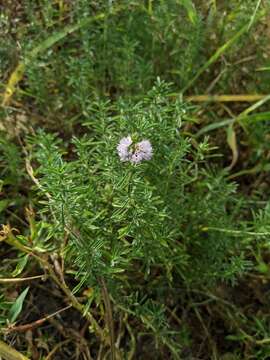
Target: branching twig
(55,349)
(7,236)
(34,324)
(18,280)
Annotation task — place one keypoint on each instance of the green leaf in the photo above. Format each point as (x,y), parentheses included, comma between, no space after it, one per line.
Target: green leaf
(3,204)
(20,265)
(240,337)
(262,268)
(231,140)
(16,308)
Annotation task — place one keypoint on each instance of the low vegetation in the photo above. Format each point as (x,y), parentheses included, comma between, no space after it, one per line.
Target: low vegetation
(134,179)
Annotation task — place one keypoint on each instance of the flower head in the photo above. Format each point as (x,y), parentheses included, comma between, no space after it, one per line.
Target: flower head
(135,153)
(143,151)
(123,148)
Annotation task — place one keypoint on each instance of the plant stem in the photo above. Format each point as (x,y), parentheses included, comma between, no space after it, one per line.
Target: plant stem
(11,240)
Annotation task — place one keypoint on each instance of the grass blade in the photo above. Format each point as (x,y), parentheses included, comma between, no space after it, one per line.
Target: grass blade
(253,118)
(191,11)
(220,51)
(18,73)
(232,142)
(225,98)
(254,14)
(8,353)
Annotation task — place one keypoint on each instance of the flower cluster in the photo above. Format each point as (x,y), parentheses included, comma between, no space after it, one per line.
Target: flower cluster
(134,152)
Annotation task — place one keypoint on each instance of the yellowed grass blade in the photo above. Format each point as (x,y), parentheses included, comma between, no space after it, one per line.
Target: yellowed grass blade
(8,353)
(14,79)
(226,98)
(18,73)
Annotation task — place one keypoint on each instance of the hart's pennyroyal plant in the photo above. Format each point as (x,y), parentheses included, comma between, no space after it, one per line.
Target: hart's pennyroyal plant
(135,153)
(126,223)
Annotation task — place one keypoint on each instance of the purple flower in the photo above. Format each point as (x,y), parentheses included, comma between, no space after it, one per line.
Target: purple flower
(135,153)
(143,151)
(123,149)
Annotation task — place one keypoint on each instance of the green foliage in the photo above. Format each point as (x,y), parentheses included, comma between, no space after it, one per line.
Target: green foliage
(16,308)
(164,233)
(154,213)
(120,54)
(127,221)
(11,175)
(10,162)
(4,308)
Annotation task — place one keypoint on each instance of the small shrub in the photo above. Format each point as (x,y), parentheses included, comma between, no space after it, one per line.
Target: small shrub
(170,216)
